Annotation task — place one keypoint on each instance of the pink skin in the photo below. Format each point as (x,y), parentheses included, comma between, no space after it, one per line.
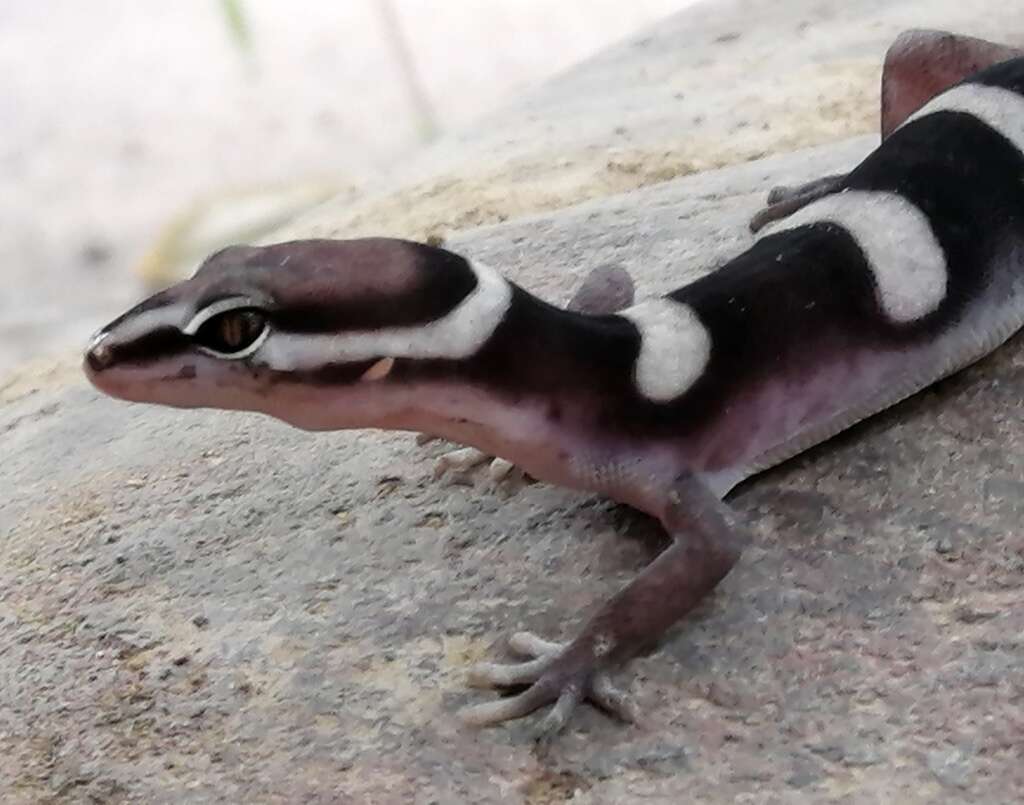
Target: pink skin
(522,434)
(921,64)
(777,412)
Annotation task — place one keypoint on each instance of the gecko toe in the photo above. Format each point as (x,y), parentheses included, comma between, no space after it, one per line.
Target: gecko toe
(500,675)
(501,470)
(609,698)
(527,644)
(554,722)
(555,674)
(459,461)
(491,713)
(457,467)
(780,193)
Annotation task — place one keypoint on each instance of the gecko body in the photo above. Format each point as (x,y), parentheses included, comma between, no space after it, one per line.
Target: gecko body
(908,269)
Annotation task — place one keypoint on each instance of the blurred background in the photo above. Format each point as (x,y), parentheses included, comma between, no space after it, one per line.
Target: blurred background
(130,127)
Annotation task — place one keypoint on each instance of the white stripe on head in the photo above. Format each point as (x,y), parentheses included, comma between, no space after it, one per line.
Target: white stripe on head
(458,334)
(1000,109)
(908,264)
(157,318)
(674,347)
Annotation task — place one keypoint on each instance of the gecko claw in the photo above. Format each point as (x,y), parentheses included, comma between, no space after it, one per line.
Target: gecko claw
(609,698)
(781,193)
(501,470)
(554,674)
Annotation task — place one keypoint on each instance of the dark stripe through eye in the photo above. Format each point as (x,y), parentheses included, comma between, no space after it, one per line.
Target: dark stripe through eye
(232,331)
(160,343)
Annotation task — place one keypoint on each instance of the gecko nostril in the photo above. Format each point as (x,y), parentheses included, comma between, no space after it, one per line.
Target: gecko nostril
(98,354)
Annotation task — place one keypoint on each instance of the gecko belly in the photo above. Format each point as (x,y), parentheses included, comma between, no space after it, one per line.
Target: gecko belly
(788,417)
(910,271)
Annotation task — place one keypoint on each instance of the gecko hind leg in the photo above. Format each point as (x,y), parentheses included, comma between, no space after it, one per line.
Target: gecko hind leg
(919,65)
(706,544)
(783,201)
(607,288)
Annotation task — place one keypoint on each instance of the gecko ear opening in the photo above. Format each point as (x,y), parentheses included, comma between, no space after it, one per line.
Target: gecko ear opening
(379,370)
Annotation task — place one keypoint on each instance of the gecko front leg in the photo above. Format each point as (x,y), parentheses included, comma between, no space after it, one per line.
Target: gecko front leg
(606,289)
(706,543)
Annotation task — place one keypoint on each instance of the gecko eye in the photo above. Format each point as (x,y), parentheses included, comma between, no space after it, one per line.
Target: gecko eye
(234,333)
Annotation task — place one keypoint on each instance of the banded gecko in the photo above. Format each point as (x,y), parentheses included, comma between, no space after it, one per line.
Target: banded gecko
(878,284)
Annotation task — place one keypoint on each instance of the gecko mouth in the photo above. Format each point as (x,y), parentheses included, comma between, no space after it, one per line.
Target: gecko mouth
(347,373)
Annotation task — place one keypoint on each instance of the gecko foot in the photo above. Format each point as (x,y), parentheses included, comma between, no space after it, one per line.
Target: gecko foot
(783,201)
(457,465)
(558,673)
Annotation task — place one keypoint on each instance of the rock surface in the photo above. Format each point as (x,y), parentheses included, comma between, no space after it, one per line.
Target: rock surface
(199,606)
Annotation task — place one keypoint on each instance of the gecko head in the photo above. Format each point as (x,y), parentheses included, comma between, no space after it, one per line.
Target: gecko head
(320,333)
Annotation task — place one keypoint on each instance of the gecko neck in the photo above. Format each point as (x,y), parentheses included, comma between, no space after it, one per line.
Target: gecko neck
(533,393)
(542,366)
(554,392)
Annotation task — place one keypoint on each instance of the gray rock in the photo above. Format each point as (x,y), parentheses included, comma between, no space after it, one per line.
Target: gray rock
(952,767)
(347,592)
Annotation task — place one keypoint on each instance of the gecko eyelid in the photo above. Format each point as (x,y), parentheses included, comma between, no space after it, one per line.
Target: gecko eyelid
(231,328)
(234,334)
(215,309)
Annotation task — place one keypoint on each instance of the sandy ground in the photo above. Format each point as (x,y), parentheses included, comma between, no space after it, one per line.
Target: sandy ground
(117,115)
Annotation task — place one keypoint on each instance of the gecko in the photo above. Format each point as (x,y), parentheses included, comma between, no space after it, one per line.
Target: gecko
(859,292)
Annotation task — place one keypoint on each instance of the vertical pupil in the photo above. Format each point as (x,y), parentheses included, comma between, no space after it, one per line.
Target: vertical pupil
(231,330)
